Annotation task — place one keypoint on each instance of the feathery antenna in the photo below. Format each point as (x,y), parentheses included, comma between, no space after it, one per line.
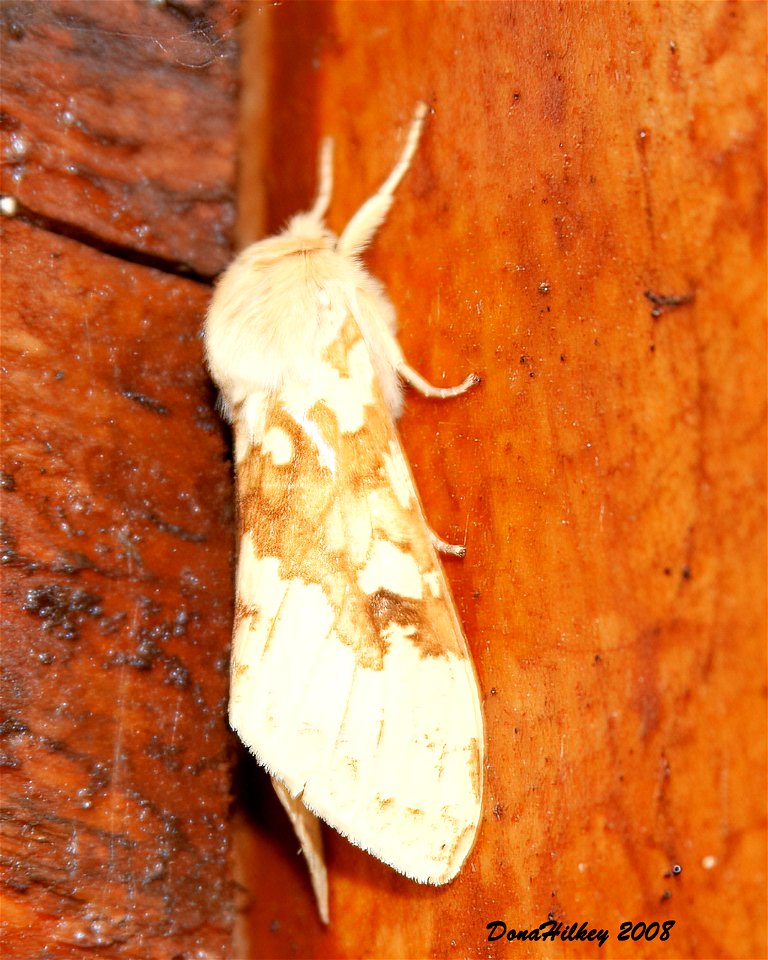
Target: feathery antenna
(362,228)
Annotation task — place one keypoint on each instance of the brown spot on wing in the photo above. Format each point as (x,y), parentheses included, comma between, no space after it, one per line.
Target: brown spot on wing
(243,610)
(385,607)
(336,354)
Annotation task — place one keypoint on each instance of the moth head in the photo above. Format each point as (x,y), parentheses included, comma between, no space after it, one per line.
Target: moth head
(307,232)
(303,234)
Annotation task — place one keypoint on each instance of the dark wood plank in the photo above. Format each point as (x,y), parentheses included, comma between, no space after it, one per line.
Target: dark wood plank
(117,124)
(120,152)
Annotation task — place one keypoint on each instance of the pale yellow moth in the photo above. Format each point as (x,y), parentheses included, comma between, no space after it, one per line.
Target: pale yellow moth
(351,681)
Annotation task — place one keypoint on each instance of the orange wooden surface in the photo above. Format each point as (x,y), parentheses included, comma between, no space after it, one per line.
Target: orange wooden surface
(608,477)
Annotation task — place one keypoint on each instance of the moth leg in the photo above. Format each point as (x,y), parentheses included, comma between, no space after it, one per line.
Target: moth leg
(307,829)
(442,546)
(426,389)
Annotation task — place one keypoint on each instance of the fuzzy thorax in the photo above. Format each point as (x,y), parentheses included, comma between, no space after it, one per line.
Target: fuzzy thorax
(281,302)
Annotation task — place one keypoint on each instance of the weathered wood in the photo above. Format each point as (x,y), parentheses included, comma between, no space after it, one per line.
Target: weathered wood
(609,474)
(117,124)
(115,609)
(115,483)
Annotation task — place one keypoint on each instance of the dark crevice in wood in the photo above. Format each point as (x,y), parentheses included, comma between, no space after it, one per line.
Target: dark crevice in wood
(119,251)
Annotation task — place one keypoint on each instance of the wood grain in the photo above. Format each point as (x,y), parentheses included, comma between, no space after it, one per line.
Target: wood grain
(117,125)
(115,484)
(608,477)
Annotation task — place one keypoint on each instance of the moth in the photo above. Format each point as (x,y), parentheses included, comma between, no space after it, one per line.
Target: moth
(351,680)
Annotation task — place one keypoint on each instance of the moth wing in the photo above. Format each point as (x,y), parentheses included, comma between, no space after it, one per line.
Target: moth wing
(351,681)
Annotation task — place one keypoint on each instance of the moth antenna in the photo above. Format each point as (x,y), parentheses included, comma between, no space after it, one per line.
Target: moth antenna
(324,179)
(412,141)
(362,228)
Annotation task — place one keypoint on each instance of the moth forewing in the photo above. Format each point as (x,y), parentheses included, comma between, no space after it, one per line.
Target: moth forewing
(351,680)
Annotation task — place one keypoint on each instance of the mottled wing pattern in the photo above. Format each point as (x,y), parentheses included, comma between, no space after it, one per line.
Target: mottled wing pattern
(351,679)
